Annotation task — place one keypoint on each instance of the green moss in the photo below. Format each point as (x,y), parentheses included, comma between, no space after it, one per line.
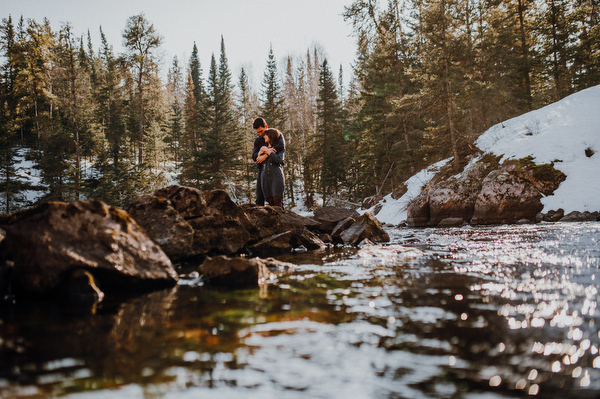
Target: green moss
(546,172)
(542,172)
(490,159)
(122,217)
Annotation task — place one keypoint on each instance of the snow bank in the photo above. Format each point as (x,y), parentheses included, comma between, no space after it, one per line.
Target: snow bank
(561,133)
(394,211)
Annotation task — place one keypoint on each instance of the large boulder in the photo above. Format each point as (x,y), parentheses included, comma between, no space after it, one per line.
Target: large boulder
(418,210)
(234,272)
(486,192)
(330,216)
(266,220)
(188,201)
(366,226)
(275,244)
(224,228)
(46,245)
(506,198)
(281,230)
(164,224)
(219,225)
(293,221)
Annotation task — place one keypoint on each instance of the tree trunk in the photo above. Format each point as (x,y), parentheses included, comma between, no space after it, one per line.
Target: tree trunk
(141,117)
(525,53)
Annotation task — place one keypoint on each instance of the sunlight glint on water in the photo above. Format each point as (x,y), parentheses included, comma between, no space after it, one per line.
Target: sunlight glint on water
(499,311)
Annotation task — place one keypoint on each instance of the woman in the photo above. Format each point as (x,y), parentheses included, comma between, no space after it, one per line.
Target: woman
(272,178)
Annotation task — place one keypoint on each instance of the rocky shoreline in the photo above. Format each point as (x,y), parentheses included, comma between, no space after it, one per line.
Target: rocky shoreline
(84,250)
(488,192)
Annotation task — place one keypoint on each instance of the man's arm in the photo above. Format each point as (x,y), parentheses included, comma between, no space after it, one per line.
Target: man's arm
(257,146)
(280,145)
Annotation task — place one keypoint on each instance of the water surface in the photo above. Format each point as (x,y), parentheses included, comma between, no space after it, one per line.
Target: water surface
(486,312)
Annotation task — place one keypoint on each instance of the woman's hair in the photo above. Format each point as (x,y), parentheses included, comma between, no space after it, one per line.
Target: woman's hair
(273,135)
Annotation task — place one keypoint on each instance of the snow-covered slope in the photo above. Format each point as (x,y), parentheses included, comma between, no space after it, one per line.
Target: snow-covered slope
(565,132)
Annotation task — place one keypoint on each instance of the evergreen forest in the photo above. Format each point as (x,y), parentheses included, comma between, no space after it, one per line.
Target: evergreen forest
(429,77)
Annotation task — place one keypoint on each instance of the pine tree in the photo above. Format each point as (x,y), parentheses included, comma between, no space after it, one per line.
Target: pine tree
(272,108)
(586,62)
(246,109)
(292,130)
(175,90)
(556,33)
(442,82)
(32,86)
(218,155)
(71,85)
(141,40)
(384,120)
(11,183)
(329,152)
(196,73)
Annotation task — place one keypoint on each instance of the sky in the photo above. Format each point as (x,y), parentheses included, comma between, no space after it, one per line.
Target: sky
(248,27)
(560,132)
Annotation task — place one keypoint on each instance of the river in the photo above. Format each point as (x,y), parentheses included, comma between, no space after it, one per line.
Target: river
(472,312)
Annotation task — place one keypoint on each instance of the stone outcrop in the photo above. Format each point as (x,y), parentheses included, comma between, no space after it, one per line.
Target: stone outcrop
(190,223)
(86,248)
(55,243)
(585,216)
(486,192)
(366,227)
(219,225)
(329,217)
(505,198)
(234,272)
(164,224)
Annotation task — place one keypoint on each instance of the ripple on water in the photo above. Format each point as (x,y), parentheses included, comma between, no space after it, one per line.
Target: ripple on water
(501,311)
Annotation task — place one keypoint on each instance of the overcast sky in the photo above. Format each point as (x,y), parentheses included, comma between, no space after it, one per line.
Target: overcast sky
(249,27)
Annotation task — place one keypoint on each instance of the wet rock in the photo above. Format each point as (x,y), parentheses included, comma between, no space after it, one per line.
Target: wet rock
(275,225)
(219,225)
(449,222)
(554,216)
(326,238)
(293,221)
(224,228)
(505,198)
(486,192)
(330,216)
(266,220)
(188,201)
(365,226)
(581,217)
(275,244)
(234,272)
(343,225)
(218,202)
(163,224)
(46,243)
(551,216)
(278,266)
(418,210)
(307,239)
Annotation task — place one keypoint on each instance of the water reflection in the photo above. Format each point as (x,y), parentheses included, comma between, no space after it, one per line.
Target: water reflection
(506,311)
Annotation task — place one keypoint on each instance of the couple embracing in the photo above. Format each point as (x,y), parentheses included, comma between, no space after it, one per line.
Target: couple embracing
(269,155)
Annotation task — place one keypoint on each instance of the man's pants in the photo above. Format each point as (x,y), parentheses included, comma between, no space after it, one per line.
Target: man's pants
(260,197)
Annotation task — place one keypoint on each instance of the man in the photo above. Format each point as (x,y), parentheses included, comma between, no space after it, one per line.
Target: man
(260,125)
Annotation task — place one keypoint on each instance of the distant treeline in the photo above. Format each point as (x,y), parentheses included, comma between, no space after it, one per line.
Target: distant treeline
(428,79)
